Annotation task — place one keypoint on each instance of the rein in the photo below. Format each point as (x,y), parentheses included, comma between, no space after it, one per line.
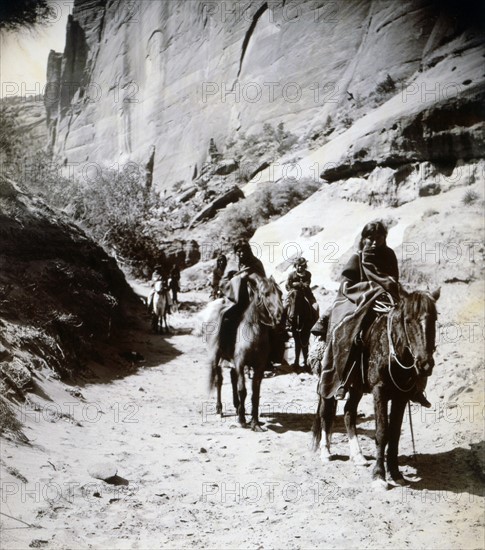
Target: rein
(393,354)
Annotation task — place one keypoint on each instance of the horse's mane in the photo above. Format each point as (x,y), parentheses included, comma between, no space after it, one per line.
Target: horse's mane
(417,304)
(256,286)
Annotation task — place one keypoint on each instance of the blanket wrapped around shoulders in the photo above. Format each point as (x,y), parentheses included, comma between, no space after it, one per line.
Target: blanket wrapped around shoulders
(363,283)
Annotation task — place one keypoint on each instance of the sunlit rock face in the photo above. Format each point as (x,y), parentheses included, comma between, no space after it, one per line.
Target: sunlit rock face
(175,74)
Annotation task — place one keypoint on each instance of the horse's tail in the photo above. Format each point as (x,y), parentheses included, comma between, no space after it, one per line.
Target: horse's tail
(317,425)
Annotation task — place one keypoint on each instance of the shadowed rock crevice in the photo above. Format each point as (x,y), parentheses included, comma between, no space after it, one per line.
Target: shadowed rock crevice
(249,33)
(74,64)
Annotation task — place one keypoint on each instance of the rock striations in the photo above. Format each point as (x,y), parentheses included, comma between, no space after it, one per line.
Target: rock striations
(169,76)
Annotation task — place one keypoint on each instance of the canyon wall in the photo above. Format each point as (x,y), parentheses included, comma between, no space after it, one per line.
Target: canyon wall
(169,76)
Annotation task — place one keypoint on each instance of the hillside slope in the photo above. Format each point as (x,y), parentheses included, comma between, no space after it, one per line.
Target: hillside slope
(63,298)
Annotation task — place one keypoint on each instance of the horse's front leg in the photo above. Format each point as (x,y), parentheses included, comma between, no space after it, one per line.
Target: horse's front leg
(305,353)
(218,382)
(235,397)
(350,418)
(327,411)
(154,323)
(395,423)
(256,390)
(296,338)
(241,392)
(165,322)
(380,411)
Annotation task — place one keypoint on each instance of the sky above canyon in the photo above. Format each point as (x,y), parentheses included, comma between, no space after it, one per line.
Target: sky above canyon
(23,54)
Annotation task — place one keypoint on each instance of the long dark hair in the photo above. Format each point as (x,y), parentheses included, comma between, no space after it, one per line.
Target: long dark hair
(221,261)
(370,229)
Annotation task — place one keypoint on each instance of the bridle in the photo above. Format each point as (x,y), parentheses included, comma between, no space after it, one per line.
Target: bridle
(393,355)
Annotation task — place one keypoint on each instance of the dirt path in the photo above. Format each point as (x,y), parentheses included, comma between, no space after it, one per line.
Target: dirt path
(188,479)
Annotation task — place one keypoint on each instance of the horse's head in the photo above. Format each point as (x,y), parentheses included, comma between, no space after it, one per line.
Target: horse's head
(419,315)
(269,300)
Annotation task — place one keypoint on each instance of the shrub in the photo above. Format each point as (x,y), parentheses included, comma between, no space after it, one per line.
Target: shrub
(8,420)
(470,197)
(10,142)
(346,121)
(268,143)
(115,208)
(241,220)
(25,14)
(386,86)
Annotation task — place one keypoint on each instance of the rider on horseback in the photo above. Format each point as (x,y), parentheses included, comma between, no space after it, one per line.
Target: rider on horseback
(174,282)
(157,277)
(370,274)
(235,287)
(299,279)
(217,275)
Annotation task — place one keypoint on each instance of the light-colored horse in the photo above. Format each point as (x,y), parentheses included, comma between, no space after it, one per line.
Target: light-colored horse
(160,307)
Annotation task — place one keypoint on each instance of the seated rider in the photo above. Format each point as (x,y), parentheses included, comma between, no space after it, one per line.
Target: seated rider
(174,282)
(371,273)
(299,279)
(217,275)
(234,284)
(157,277)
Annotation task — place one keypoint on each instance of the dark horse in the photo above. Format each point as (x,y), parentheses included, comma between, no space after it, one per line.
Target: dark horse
(398,346)
(302,321)
(255,345)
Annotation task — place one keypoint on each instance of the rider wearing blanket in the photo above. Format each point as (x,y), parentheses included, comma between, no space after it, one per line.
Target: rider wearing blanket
(370,275)
(299,279)
(234,286)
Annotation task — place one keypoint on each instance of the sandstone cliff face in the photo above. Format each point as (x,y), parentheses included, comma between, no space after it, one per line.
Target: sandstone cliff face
(172,75)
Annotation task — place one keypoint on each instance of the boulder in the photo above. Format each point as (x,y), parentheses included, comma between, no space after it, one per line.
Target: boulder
(102,470)
(233,195)
(225,167)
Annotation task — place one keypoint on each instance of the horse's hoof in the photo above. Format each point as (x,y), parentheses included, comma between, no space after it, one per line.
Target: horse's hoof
(359,460)
(256,427)
(380,484)
(398,479)
(325,456)
(402,482)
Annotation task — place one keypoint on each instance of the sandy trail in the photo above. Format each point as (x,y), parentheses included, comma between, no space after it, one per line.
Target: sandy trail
(189,479)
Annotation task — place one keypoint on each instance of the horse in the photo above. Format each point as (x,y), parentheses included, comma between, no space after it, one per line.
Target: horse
(160,307)
(256,343)
(301,322)
(397,348)
(173,285)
